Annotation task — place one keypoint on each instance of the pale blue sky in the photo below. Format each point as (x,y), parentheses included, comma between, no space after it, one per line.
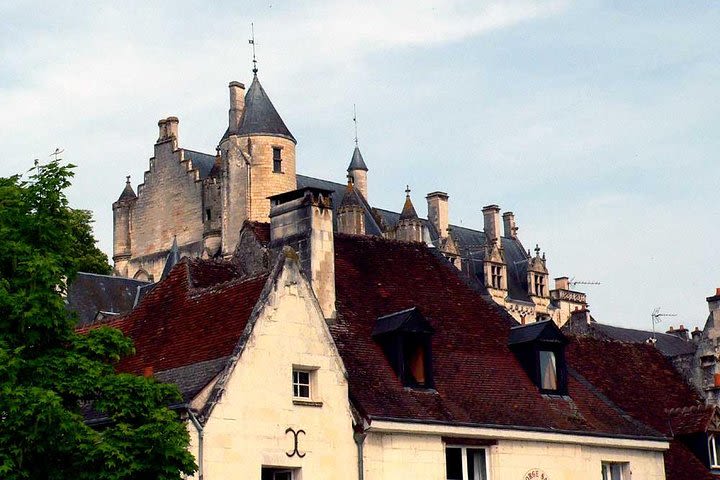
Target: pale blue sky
(595,122)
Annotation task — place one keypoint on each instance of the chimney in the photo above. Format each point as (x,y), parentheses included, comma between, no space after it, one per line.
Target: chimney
(509,224)
(562,283)
(437,203)
(148,372)
(172,128)
(302,219)
(696,335)
(237,106)
(581,315)
(491,215)
(162,127)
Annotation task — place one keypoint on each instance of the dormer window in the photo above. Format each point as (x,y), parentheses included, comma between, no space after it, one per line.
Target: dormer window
(540,349)
(539,284)
(713,451)
(405,340)
(496,276)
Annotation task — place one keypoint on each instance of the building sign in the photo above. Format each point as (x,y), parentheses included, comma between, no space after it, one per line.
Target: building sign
(536,474)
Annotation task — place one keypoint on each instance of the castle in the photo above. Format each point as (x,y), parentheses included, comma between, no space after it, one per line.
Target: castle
(194,204)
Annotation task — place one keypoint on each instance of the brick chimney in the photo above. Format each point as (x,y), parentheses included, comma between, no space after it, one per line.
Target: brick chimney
(437,204)
(510,230)
(237,106)
(303,220)
(681,332)
(491,216)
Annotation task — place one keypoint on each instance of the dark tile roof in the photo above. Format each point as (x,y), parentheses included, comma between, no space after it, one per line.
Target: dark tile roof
(408,320)
(128,193)
(178,324)
(688,420)
(172,259)
(641,381)
(190,379)
(669,345)
(408,211)
(544,330)
(357,162)
(202,162)
(477,378)
(90,293)
(260,116)
(351,197)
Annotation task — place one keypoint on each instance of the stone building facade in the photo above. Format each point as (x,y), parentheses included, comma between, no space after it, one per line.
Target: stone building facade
(200,201)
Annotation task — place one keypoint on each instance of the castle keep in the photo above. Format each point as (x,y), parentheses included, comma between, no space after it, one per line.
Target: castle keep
(194,204)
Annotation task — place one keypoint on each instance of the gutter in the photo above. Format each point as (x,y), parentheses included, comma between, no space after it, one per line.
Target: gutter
(359,438)
(201,433)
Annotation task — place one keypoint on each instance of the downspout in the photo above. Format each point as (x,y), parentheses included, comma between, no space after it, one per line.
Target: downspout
(359,441)
(201,433)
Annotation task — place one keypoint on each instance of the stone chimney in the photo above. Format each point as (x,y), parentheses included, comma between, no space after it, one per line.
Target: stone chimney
(172,127)
(237,106)
(562,283)
(491,215)
(168,131)
(696,335)
(302,219)
(162,127)
(509,224)
(681,332)
(714,321)
(437,204)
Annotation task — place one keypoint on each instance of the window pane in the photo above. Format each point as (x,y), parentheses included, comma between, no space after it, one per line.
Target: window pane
(304,377)
(548,370)
(616,471)
(453,464)
(476,464)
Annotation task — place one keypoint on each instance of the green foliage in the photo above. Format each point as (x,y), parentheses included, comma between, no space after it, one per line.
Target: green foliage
(52,379)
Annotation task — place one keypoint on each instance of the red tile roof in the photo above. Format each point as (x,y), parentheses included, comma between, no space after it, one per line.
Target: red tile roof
(260,229)
(477,378)
(689,420)
(643,383)
(178,324)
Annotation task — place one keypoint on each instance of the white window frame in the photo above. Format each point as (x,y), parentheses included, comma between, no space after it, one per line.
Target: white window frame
(463,458)
(712,451)
(296,383)
(607,470)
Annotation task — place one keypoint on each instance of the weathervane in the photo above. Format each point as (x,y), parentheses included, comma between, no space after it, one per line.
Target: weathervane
(252,42)
(355,122)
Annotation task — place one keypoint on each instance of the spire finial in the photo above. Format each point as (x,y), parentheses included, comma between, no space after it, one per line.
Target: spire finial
(127,179)
(355,122)
(537,250)
(407,191)
(252,42)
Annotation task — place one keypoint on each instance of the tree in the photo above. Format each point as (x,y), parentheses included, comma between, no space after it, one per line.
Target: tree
(51,378)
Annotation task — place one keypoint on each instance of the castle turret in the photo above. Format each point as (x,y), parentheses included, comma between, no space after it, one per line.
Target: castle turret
(351,214)
(122,247)
(410,228)
(258,156)
(358,170)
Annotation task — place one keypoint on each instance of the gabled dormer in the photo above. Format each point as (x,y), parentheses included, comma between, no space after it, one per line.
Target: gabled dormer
(537,275)
(404,337)
(540,349)
(495,269)
(698,428)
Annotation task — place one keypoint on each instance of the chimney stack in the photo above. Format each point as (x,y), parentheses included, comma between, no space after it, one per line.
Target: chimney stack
(172,127)
(509,224)
(237,106)
(302,219)
(696,335)
(162,127)
(562,283)
(437,203)
(491,215)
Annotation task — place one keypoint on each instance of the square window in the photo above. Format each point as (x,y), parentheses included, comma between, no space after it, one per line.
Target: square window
(615,471)
(466,463)
(301,383)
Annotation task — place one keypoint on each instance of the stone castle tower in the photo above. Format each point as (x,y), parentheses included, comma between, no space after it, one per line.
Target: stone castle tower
(198,200)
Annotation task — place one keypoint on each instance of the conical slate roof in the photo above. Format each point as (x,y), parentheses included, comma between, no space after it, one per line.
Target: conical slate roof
(128,193)
(408,211)
(260,116)
(357,162)
(351,197)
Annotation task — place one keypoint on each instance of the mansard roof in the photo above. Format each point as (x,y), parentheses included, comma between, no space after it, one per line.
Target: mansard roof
(260,116)
(477,379)
(357,162)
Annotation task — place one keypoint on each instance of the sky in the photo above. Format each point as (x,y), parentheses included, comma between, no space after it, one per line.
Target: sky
(595,122)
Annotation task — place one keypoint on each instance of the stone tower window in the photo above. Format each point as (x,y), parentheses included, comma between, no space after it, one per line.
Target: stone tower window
(539,285)
(277,159)
(208,214)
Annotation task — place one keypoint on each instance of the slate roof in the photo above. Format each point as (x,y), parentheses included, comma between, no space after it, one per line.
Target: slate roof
(188,325)
(669,345)
(640,381)
(357,162)
(544,330)
(477,378)
(260,116)
(128,193)
(90,293)
(202,162)
(408,211)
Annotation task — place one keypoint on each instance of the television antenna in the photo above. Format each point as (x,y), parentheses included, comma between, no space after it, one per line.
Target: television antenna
(572,281)
(58,151)
(657,318)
